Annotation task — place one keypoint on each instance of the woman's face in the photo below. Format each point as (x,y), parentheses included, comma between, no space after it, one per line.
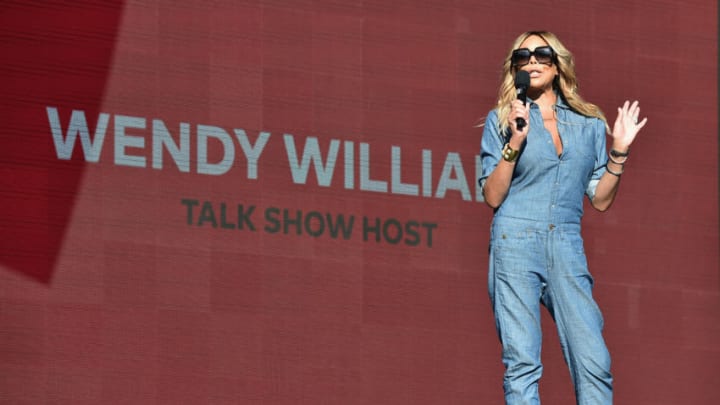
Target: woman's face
(541,74)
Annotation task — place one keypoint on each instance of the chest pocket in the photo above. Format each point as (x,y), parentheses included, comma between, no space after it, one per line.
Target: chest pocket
(578,139)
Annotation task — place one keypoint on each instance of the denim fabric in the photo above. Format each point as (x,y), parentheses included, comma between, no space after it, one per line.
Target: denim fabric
(546,187)
(537,256)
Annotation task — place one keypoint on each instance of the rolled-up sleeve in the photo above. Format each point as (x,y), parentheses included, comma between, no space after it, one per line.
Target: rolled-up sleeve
(490,147)
(600,158)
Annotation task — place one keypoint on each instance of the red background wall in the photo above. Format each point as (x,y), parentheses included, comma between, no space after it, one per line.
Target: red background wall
(108,295)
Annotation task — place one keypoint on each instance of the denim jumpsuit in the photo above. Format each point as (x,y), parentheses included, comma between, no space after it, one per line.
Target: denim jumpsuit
(537,256)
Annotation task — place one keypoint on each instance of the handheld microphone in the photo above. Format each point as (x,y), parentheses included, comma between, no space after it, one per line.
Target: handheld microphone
(522,82)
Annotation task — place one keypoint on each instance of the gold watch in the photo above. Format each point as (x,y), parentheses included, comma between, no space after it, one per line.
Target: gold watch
(509,154)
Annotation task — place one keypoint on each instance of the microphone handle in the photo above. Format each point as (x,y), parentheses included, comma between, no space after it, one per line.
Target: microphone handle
(520,122)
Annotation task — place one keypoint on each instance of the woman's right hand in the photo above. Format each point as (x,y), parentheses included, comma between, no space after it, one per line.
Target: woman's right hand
(518,110)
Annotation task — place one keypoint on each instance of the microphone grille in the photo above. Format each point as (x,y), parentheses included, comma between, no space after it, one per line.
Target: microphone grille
(522,79)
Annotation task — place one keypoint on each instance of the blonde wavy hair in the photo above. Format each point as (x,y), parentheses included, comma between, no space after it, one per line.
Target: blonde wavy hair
(565,82)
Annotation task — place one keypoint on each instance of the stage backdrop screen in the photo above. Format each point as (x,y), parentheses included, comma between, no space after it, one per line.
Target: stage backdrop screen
(276,202)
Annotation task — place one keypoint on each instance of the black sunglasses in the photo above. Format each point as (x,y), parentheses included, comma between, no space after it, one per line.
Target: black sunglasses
(542,54)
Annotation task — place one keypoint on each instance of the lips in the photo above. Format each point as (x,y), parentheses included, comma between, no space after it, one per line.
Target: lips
(535,73)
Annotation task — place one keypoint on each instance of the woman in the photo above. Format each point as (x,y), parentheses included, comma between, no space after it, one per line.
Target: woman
(534,177)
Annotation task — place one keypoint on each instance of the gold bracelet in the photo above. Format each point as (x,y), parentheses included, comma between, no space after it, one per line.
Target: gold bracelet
(509,154)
